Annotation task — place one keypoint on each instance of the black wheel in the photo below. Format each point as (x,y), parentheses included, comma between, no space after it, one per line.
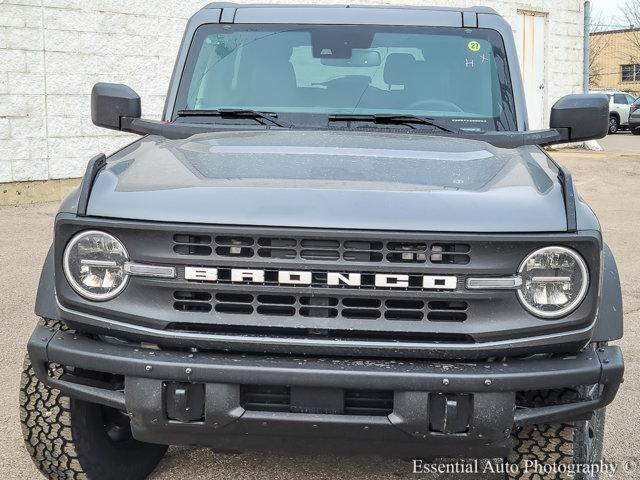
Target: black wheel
(635,131)
(73,440)
(577,443)
(614,124)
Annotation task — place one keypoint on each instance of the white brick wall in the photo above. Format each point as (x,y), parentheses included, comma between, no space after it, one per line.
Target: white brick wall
(53,51)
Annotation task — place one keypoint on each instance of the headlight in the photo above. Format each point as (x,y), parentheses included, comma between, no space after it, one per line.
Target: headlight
(554,281)
(94,265)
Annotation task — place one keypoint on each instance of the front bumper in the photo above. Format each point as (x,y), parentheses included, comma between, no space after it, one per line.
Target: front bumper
(489,391)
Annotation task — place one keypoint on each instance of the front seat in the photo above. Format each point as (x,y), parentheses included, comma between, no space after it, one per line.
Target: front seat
(267,76)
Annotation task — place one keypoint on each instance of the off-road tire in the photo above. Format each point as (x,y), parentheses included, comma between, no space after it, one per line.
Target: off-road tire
(635,131)
(578,443)
(67,439)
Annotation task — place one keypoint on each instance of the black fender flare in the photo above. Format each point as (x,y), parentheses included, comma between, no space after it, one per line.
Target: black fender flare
(46,304)
(610,319)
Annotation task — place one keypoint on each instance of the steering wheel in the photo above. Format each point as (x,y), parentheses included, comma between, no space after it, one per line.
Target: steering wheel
(444,105)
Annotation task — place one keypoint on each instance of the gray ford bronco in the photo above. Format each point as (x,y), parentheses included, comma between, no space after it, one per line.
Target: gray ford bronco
(341,237)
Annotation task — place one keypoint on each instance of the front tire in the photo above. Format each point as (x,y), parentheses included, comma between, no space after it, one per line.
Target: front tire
(614,124)
(576,443)
(75,440)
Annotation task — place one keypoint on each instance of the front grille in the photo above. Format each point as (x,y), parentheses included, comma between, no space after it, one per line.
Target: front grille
(267,398)
(322,249)
(360,308)
(368,402)
(371,293)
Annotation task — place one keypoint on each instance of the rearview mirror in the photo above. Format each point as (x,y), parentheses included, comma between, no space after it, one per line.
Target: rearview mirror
(110,102)
(359,58)
(581,117)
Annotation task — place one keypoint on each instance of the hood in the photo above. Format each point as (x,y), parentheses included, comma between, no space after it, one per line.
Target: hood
(332,179)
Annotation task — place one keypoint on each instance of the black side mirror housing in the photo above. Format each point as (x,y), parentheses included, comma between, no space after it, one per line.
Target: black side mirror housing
(581,117)
(111,102)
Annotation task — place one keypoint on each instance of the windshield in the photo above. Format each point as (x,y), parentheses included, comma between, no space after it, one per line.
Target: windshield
(456,74)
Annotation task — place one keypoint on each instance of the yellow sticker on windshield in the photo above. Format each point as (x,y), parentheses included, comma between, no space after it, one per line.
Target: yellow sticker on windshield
(474,46)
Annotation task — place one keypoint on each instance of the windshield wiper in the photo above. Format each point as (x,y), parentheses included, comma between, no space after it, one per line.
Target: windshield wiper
(394,118)
(236,113)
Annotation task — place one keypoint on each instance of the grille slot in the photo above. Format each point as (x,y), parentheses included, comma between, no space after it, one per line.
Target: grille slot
(267,398)
(280,310)
(357,308)
(192,307)
(237,247)
(192,301)
(404,309)
(447,311)
(450,253)
(362,313)
(322,249)
(326,255)
(264,398)
(185,244)
(234,251)
(406,252)
(234,303)
(378,403)
(319,312)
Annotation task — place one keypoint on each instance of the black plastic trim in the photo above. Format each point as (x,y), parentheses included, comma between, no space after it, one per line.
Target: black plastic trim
(604,367)
(46,304)
(610,318)
(93,167)
(228,14)
(568,190)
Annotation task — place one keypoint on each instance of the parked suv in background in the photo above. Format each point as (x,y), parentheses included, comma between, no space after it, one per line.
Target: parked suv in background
(619,108)
(342,237)
(634,117)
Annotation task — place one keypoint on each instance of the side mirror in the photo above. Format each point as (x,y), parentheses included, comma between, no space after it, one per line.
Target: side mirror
(581,117)
(110,102)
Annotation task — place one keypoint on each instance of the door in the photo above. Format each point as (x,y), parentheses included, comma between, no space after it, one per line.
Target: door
(530,41)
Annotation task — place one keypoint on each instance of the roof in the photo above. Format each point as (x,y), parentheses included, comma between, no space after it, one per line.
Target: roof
(474,9)
(315,14)
(619,30)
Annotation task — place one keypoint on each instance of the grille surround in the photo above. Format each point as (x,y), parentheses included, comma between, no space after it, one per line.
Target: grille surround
(496,325)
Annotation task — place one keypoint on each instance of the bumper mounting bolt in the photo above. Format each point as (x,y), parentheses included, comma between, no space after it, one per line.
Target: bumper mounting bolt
(487,382)
(188,371)
(148,368)
(445,381)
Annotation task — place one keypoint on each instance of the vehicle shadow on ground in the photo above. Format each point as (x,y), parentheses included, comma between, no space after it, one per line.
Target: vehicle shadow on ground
(207,464)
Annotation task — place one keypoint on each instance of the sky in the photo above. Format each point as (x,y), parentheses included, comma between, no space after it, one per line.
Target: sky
(608,12)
